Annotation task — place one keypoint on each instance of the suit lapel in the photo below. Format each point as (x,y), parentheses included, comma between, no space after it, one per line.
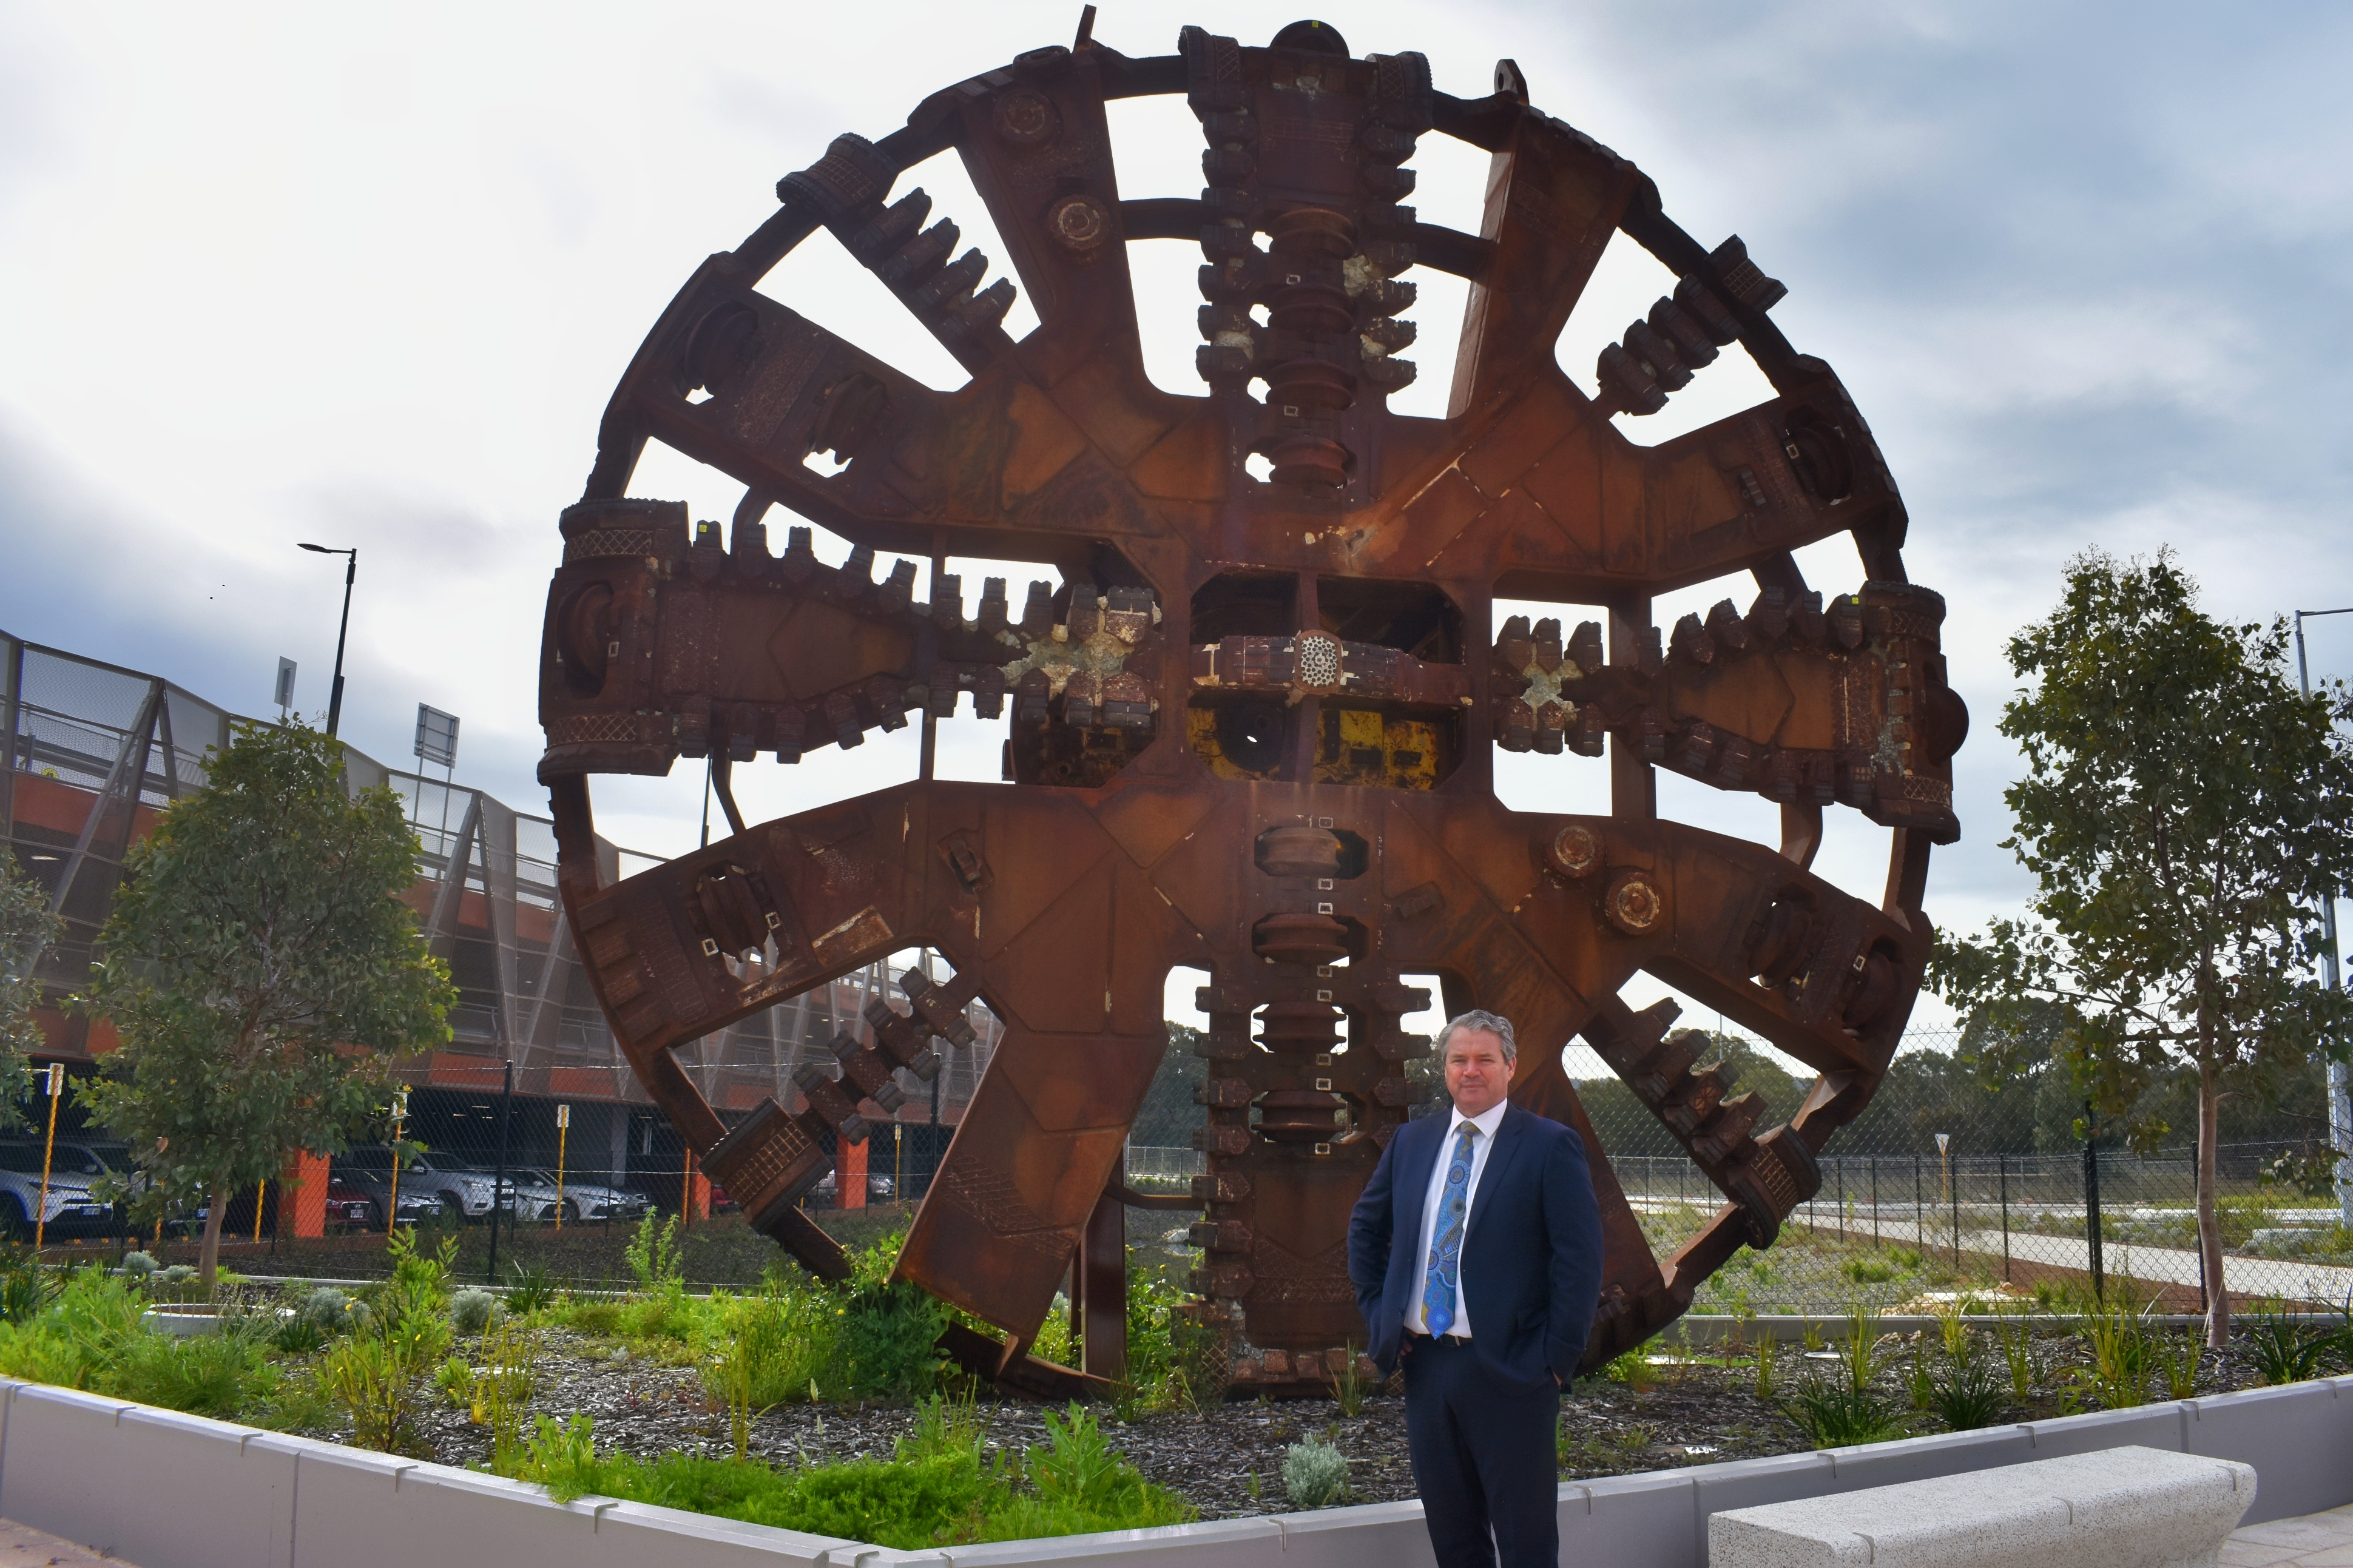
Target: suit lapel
(1420,1160)
(1510,1134)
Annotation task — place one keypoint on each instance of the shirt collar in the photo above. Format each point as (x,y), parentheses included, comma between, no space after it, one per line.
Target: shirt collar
(1486,1122)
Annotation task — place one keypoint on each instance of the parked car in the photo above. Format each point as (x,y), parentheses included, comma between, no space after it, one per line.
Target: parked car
(879,1189)
(348,1207)
(536,1197)
(355,1207)
(71,1209)
(461,1191)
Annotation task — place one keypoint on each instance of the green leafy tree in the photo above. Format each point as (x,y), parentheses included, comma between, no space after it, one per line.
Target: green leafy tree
(26,927)
(259,971)
(2184,812)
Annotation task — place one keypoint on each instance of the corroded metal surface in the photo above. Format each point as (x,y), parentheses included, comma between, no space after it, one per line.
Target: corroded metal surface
(1251,714)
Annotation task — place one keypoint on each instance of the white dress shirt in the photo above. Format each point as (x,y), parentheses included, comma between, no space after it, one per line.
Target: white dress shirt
(1486,1122)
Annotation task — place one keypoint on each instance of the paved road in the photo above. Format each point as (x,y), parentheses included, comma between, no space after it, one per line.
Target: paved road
(24,1548)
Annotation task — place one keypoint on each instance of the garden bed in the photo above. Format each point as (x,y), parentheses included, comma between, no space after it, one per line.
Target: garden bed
(803,1404)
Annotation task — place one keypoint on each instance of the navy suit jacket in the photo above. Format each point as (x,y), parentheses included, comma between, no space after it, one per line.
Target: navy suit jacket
(1531,1260)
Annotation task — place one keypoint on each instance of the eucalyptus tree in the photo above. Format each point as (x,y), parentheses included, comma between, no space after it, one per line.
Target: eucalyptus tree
(262,973)
(2184,812)
(26,926)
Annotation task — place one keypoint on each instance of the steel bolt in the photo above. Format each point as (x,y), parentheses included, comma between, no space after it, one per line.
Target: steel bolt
(1633,903)
(1576,850)
(1078,222)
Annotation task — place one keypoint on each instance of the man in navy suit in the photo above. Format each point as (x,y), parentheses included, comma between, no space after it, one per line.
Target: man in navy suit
(1476,1255)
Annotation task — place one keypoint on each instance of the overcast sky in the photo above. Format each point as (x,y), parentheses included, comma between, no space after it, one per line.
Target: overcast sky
(368,276)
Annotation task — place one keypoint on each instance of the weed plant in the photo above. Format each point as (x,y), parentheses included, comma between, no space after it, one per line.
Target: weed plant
(1766,1355)
(1348,1384)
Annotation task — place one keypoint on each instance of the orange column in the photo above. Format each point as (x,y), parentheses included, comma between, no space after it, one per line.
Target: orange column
(850,1174)
(699,1196)
(304,1182)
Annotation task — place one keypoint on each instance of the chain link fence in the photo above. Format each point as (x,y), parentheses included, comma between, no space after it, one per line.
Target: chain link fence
(2010,1196)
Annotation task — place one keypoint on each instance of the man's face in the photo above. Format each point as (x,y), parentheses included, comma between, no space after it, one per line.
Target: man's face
(1477,1076)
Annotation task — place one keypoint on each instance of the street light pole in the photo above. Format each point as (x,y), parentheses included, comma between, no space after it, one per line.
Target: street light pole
(351,574)
(2340,1076)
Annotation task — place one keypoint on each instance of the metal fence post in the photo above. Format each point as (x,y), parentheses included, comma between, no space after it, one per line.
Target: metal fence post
(2005,1218)
(1875,1203)
(1919,1209)
(499,1186)
(1954,1194)
(2092,1195)
(2198,1241)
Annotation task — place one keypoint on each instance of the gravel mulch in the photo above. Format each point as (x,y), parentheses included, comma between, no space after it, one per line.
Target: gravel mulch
(1227,1459)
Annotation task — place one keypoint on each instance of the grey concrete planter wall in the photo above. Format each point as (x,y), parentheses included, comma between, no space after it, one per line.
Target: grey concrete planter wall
(167,1490)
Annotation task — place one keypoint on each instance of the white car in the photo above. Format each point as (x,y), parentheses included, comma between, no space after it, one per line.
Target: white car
(70,1208)
(536,1198)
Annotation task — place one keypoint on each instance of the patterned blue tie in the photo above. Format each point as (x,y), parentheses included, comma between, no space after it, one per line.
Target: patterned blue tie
(1446,1245)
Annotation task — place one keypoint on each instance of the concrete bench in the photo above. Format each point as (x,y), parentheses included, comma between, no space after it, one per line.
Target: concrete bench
(2120,1508)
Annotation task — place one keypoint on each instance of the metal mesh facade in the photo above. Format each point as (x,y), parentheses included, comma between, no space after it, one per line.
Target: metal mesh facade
(95,751)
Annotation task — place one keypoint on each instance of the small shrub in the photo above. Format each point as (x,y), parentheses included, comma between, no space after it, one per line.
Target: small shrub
(138,1266)
(1868,1270)
(1314,1474)
(499,1391)
(297,1335)
(2177,1362)
(373,1372)
(24,1287)
(533,1290)
(561,1458)
(1965,1393)
(887,1332)
(1858,1352)
(2120,1355)
(653,1255)
(1835,1416)
(206,1374)
(1631,1368)
(2283,1350)
(455,1380)
(472,1310)
(1919,1379)
(591,1317)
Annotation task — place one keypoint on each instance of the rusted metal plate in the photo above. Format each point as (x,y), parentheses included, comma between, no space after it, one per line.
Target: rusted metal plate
(1251,703)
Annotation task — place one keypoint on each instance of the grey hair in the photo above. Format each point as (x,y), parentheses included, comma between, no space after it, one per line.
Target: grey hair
(1494,1024)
